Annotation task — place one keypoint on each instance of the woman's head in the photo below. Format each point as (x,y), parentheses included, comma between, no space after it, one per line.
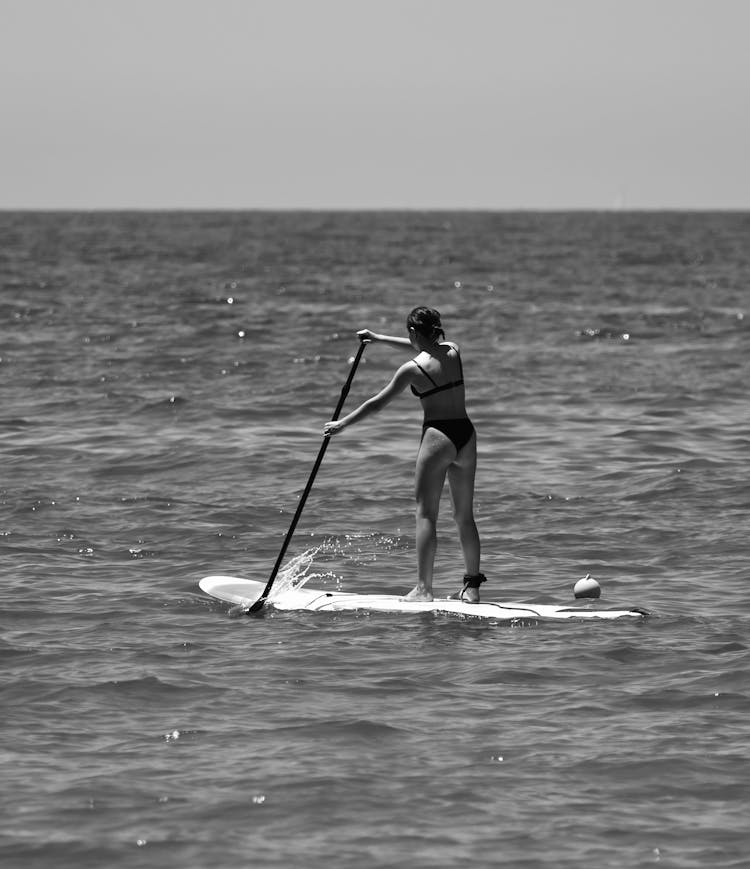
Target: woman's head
(426,322)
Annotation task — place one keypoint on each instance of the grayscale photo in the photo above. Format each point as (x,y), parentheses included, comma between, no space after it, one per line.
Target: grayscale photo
(373,434)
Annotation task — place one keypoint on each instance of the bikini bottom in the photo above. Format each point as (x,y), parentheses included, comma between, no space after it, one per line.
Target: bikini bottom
(459,431)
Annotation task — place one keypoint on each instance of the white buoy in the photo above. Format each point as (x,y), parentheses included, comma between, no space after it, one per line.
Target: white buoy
(587,587)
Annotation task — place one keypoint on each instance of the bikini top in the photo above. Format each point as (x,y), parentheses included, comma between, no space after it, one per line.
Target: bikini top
(443,386)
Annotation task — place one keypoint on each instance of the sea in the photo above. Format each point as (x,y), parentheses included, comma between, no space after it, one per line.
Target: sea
(165,380)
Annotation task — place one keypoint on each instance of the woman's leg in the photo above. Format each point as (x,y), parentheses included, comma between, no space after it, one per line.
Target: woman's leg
(461,482)
(436,452)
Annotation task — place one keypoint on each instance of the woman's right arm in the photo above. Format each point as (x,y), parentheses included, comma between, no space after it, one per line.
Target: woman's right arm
(368,335)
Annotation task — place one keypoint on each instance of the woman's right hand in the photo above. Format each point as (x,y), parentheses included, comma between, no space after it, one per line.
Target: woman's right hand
(366,335)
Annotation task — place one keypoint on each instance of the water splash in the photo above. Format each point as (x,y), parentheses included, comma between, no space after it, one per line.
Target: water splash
(331,558)
(297,572)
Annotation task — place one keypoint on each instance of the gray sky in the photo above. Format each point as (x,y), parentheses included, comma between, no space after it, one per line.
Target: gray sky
(374,103)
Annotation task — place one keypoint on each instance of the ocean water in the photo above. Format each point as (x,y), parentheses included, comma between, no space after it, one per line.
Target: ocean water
(165,380)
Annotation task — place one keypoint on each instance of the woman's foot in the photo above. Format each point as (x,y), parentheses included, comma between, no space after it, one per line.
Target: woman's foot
(470,592)
(467,595)
(419,592)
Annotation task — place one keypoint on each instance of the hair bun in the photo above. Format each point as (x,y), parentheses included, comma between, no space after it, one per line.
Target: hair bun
(426,321)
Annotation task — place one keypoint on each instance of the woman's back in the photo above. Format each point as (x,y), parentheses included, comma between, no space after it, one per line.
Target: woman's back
(441,385)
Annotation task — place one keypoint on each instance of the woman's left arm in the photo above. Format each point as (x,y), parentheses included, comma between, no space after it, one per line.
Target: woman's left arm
(400,380)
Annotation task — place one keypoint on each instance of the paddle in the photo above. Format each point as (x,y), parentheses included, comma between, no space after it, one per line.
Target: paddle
(323,447)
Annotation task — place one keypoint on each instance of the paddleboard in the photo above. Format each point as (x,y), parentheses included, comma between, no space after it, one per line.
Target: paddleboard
(244,592)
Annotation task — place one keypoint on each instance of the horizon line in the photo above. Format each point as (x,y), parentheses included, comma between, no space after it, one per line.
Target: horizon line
(667,209)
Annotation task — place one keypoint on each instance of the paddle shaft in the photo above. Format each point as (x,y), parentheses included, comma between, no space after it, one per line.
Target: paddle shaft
(303,498)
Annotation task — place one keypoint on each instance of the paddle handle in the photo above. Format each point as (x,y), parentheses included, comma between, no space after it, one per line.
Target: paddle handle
(303,498)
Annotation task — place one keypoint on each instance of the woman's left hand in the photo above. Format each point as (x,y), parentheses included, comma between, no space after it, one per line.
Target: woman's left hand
(332,427)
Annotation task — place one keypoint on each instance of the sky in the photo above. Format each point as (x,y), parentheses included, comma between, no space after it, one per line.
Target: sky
(357,104)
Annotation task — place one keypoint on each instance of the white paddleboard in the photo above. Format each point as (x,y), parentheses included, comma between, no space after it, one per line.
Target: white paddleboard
(245,592)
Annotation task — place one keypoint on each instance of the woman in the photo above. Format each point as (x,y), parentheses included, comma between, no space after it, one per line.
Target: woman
(448,445)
